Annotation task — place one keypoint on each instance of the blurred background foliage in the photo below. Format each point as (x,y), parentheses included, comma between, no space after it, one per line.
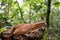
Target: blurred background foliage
(13,12)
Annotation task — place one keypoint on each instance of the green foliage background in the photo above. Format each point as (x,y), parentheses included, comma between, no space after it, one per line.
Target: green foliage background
(13,13)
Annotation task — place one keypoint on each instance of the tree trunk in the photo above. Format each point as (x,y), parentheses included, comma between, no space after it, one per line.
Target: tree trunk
(30,14)
(47,20)
(20,10)
(48,12)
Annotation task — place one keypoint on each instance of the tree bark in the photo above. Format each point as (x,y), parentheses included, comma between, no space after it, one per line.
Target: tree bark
(47,20)
(30,14)
(20,10)
(48,12)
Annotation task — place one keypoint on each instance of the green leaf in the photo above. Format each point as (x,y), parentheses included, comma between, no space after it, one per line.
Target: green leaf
(15,13)
(4,18)
(8,1)
(1,14)
(46,34)
(57,4)
(52,14)
(2,29)
(0,0)
(39,1)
